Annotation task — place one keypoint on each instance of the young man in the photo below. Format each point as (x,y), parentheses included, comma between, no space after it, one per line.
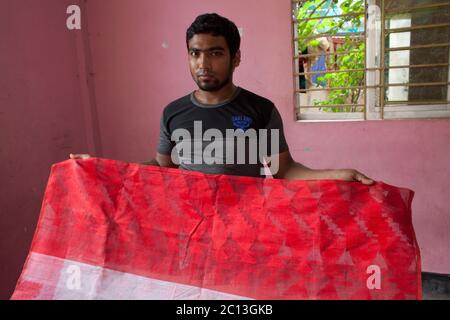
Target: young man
(224,129)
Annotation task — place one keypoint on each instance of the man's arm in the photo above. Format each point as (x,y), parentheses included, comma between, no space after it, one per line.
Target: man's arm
(152,162)
(291,170)
(161,160)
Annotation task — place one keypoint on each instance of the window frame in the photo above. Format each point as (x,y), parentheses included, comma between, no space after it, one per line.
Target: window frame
(374,66)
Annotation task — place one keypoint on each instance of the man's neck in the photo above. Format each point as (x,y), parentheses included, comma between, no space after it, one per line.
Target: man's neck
(215,97)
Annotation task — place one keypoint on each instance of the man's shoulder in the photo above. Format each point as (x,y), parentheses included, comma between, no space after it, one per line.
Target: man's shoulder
(258,102)
(178,104)
(256,97)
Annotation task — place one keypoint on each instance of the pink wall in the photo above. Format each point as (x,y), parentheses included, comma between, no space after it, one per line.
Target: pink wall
(131,59)
(41,118)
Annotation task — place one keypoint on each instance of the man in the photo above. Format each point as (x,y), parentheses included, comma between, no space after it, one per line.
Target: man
(224,116)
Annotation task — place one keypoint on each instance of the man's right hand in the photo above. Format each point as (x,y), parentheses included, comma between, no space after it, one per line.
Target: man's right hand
(79,156)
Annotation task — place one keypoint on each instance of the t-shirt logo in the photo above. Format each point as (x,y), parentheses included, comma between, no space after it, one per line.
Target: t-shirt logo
(241,122)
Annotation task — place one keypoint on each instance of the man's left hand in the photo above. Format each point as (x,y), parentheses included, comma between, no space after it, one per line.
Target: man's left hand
(353,175)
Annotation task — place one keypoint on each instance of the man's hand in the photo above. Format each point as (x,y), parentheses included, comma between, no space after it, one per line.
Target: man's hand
(291,170)
(79,156)
(352,175)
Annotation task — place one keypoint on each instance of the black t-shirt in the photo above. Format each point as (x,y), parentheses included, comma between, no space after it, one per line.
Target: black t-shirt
(228,138)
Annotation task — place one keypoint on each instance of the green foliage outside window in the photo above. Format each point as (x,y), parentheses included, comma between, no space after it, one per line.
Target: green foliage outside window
(335,27)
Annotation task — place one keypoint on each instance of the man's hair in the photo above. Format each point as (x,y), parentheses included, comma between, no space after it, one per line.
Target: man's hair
(212,23)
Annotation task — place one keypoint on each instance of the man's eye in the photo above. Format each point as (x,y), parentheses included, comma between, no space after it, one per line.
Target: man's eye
(216,53)
(194,53)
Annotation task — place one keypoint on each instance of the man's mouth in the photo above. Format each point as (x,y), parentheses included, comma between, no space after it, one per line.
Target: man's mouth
(205,77)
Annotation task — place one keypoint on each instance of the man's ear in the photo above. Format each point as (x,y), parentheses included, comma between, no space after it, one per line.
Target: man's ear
(237,59)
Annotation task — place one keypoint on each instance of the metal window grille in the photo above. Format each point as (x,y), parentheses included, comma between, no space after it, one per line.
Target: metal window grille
(384,59)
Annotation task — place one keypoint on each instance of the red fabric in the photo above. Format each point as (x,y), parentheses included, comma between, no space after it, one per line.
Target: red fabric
(251,237)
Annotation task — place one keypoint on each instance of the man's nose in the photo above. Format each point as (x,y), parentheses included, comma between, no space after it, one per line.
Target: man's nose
(203,61)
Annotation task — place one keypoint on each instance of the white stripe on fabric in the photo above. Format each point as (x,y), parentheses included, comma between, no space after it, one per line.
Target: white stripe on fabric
(83,281)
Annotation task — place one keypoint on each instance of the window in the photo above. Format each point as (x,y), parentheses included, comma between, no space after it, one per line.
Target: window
(349,68)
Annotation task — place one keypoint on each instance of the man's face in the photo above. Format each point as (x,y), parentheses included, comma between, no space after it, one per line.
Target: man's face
(210,61)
